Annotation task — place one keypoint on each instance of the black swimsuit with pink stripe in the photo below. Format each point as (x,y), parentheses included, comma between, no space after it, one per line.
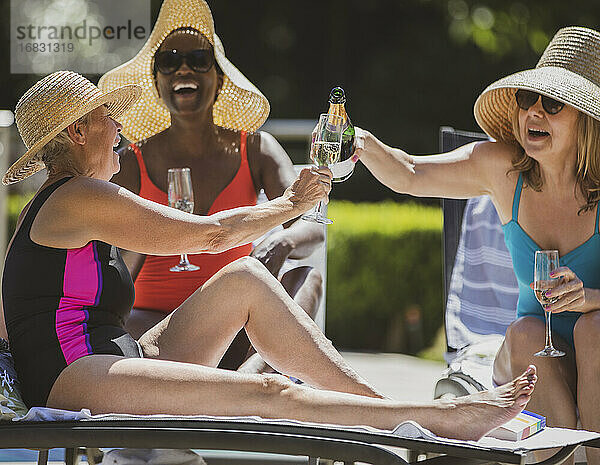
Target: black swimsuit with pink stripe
(62,304)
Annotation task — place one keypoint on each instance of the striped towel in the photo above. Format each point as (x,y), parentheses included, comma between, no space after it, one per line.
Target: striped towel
(483,293)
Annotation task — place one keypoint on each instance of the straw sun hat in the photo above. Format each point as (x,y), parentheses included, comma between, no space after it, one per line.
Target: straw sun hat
(53,103)
(568,71)
(240,105)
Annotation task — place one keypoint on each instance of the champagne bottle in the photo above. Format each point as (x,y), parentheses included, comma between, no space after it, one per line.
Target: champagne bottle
(343,169)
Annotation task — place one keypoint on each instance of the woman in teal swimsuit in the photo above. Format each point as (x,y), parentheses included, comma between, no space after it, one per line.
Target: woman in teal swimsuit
(543,175)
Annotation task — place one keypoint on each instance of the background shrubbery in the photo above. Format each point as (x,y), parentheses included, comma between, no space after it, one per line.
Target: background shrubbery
(13,208)
(384,276)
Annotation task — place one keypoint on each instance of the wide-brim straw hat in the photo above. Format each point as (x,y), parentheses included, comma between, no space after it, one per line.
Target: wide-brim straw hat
(240,105)
(568,71)
(53,103)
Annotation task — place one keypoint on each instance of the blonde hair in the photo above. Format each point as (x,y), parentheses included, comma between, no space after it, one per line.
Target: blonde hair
(587,170)
(55,154)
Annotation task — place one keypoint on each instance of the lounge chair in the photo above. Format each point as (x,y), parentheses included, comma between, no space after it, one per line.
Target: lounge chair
(337,443)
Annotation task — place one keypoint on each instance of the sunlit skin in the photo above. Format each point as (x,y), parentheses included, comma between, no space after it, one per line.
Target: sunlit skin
(550,217)
(93,150)
(103,132)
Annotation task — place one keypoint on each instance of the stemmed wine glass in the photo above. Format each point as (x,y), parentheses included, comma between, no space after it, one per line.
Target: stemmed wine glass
(325,150)
(181,197)
(545,262)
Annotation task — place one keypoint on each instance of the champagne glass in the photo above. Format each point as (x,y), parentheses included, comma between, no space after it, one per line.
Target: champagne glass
(181,197)
(545,262)
(324,151)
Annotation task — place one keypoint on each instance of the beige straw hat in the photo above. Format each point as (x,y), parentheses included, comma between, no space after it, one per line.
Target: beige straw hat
(240,105)
(53,103)
(568,71)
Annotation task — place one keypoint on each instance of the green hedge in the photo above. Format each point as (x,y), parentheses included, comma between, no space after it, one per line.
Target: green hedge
(15,204)
(384,276)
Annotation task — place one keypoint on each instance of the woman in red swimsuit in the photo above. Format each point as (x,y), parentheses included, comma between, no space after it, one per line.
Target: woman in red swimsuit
(204,122)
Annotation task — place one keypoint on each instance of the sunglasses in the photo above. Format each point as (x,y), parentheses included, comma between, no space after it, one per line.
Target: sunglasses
(526,99)
(169,61)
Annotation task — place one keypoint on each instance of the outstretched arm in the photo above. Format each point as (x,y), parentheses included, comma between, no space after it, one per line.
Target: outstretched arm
(275,172)
(87,209)
(468,171)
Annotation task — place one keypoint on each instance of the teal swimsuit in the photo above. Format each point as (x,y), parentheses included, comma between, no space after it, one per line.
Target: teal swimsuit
(584,261)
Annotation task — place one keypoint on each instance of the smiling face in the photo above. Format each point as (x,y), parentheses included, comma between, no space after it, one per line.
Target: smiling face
(187,91)
(98,157)
(544,136)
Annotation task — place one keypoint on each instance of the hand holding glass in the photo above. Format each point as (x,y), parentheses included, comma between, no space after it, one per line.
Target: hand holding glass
(545,262)
(181,197)
(324,151)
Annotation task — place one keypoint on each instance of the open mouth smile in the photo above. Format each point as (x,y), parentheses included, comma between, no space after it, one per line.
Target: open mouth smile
(185,88)
(537,134)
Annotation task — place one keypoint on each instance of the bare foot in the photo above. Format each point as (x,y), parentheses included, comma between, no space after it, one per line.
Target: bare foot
(472,417)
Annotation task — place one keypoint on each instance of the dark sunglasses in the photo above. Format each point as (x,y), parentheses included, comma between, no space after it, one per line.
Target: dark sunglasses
(169,61)
(527,98)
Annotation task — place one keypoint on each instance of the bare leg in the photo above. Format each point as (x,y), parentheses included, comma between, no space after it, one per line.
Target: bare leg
(147,386)
(586,334)
(305,285)
(554,393)
(245,295)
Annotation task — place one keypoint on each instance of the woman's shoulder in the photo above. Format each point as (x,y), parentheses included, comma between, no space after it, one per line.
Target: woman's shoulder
(495,155)
(81,188)
(498,149)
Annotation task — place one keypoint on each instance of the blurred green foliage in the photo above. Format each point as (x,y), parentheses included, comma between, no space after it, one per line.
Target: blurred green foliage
(15,204)
(384,276)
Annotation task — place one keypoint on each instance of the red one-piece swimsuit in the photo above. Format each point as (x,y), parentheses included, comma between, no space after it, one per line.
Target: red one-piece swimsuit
(156,287)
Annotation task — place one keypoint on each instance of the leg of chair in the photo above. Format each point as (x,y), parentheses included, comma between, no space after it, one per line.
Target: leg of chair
(71,456)
(94,456)
(412,455)
(43,457)
(313,461)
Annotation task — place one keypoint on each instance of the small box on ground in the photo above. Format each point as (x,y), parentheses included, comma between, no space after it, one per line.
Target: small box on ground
(525,424)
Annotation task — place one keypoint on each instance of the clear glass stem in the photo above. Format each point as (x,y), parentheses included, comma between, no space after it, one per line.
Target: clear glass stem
(184,265)
(548,344)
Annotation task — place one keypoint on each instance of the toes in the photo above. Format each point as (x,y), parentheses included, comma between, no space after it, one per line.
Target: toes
(531,371)
(523,399)
(528,378)
(524,387)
